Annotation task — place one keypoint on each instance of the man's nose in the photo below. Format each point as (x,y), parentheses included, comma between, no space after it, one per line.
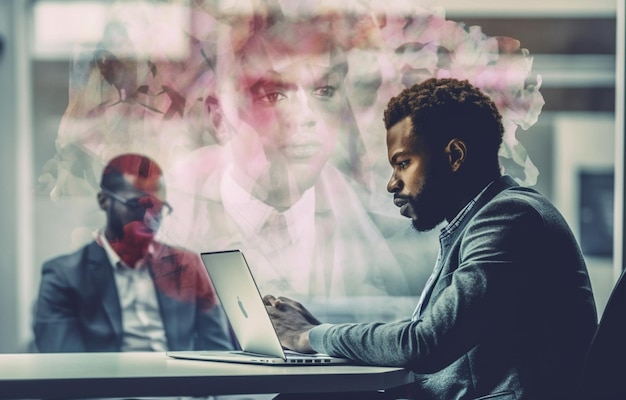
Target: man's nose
(152,219)
(303,112)
(394,185)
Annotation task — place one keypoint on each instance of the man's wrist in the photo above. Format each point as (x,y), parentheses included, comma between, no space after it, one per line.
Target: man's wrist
(304,344)
(315,337)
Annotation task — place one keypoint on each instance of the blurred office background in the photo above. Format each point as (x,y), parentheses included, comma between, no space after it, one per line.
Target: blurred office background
(577,143)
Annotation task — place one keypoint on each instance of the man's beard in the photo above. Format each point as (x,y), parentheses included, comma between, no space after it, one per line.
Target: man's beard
(429,205)
(132,241)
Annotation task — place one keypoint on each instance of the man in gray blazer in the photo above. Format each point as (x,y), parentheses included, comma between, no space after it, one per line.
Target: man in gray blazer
(125,291)
(508,311)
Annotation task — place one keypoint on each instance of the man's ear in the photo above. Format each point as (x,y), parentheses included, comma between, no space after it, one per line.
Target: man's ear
(457,153)
(103,200)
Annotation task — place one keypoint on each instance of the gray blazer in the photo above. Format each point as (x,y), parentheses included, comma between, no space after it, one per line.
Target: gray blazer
(78,308)
(509,316)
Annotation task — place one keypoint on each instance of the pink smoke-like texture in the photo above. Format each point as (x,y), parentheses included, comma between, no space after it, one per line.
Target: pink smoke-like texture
(131,93)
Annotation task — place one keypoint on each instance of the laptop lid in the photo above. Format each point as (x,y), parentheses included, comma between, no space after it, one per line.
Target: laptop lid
(242,302)
(243,305)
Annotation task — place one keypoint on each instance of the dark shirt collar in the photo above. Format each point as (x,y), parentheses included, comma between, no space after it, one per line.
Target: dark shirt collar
(456,221)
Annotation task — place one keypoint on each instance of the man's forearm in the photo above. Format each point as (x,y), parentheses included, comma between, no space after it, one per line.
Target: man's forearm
(371,343)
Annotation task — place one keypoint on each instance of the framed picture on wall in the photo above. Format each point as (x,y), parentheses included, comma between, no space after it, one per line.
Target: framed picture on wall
(596,212)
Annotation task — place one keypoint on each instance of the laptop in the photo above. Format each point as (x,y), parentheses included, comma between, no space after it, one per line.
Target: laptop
(250,322)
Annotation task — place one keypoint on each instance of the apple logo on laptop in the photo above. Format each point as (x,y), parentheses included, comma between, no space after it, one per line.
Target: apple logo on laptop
(241,307)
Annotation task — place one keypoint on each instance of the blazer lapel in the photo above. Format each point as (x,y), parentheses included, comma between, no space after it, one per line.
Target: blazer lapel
(101,276)
(163,265)
(502,183)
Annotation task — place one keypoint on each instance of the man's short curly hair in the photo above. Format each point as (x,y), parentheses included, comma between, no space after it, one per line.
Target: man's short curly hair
(443,109)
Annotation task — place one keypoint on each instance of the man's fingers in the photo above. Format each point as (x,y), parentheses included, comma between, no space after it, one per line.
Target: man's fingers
(276,302)
(269,300)
(284,304)
(272,301)
(290,302)
(270,310)
(300,308)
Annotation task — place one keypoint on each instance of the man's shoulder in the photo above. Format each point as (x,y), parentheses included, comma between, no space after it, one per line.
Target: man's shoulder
(520,205)
(165,249)
(506,190)
(75,259)
(525,196)
(175,254)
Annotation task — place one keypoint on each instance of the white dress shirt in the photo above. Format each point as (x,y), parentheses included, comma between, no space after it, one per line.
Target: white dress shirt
(141,319)
(288,238)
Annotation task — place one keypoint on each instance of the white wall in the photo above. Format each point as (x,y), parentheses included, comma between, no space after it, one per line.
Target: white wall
(8,254)
(583,141)
(16,166)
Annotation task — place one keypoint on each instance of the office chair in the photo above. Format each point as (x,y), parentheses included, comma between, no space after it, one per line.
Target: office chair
(604,371)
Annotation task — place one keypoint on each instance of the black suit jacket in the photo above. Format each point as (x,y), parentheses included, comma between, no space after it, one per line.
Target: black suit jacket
(509,315)
(78,307)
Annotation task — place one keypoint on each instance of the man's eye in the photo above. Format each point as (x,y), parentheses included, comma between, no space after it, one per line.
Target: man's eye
(325,91)
(134,204)
(270,98)
(403,164)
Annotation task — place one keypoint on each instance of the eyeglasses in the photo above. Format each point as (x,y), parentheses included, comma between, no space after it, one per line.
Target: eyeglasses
(141,203)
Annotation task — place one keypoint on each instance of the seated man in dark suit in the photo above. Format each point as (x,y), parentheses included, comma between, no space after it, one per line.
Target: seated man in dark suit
(125,291)
(509,310)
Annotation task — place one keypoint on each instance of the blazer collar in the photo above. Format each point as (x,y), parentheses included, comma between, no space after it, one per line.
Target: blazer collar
(502,183)
(449,234)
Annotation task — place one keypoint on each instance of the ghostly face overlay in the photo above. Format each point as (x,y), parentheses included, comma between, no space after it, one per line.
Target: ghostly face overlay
(420,181)
(288,102)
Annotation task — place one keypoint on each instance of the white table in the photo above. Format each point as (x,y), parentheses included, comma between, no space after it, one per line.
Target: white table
(80,375)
